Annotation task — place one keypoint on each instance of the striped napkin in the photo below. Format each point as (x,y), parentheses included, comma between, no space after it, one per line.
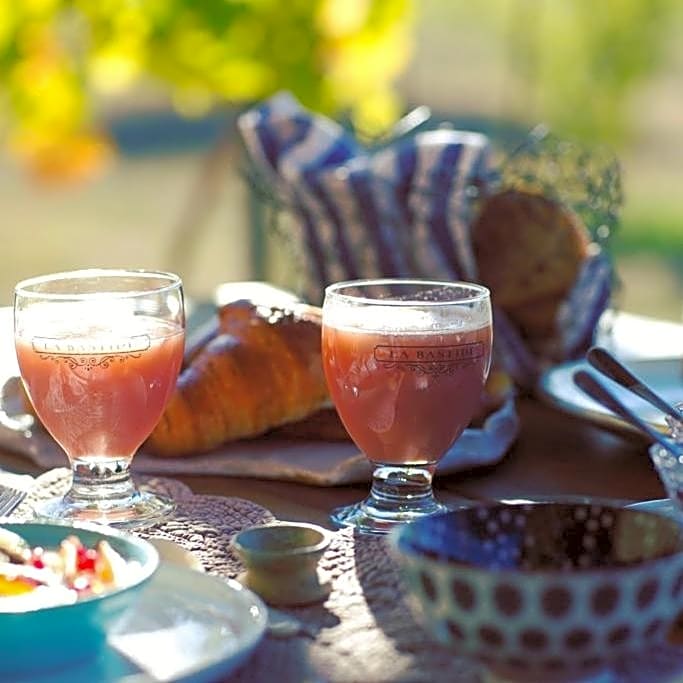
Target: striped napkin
(399,210)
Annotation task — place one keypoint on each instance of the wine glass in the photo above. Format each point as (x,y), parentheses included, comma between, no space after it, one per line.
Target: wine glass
(405,362)
(99,353)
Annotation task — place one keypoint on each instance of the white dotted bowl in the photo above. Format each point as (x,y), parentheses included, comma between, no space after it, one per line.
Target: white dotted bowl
(547,591)
(670,472)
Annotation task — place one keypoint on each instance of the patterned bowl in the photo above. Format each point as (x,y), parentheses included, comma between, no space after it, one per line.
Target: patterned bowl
(544,592)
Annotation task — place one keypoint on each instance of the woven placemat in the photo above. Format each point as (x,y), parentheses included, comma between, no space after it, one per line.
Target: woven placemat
(364,631)
(204,525)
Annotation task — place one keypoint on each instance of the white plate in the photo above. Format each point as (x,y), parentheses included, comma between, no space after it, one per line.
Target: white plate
(186,627)
(665,376)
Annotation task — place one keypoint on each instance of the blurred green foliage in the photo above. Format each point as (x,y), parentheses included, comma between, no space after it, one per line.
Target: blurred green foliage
(583,58)
(573,64)
(650,227)
(59,59)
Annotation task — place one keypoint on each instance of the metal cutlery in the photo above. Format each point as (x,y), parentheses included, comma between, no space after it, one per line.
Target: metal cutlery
(603,361)
(594,388)
(10,499)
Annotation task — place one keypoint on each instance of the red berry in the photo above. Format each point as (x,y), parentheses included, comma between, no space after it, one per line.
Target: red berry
(36,558)
(85,561)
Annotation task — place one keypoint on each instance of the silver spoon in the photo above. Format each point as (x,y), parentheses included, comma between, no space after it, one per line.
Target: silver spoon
(592,386)
(608,365)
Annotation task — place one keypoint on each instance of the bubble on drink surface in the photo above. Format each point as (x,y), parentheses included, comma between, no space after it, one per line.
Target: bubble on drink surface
(74,320)
(437,294)
(396,318)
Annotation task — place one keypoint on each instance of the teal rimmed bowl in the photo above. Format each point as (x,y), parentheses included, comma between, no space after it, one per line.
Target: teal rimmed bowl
(56,636)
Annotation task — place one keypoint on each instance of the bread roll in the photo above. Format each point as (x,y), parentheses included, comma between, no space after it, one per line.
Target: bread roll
(529,250)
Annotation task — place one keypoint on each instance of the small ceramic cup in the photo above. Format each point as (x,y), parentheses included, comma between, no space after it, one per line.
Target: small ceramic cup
(281,561)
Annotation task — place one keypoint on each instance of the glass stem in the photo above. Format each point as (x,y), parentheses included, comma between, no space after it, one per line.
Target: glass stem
(103,483)
(404,487)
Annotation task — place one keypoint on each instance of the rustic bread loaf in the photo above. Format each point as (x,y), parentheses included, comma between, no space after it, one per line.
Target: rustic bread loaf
(529,250)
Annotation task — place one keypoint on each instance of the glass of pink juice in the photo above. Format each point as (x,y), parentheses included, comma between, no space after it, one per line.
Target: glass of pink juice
(405,363)
(99,352)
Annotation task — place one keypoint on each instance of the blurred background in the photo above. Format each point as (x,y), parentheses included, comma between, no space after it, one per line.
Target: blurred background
(118,118)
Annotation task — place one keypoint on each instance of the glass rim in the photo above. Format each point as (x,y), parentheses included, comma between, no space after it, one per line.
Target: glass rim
(23,287)
(481,292)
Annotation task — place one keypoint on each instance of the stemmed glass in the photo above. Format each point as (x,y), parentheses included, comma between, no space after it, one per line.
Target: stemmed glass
(405,362)
(99,353)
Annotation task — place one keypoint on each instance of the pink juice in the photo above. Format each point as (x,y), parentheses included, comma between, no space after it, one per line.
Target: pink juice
(101,396)
(405,397)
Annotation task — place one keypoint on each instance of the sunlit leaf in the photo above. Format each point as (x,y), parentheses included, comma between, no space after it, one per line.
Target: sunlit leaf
(337,18)
(375,113)
(113,72)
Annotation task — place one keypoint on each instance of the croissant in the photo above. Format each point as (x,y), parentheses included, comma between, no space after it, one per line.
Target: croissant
(259,368)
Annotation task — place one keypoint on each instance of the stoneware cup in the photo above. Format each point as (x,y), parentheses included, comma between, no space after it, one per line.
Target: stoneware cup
(281,562)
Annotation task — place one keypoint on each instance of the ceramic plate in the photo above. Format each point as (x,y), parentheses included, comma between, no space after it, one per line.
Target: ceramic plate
(186,627)
(662,506)
(665,376)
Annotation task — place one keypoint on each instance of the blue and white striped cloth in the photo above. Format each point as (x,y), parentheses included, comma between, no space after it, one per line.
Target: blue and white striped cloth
(401,210)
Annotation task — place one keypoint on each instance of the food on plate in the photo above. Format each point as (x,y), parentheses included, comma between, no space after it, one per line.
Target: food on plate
(34,577)
(259,369)
(529,250)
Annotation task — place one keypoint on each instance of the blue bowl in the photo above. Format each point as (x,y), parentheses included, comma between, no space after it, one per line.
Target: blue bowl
(51,637)
(544,592)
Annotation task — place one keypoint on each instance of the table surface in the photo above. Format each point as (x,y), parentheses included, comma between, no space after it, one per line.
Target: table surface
(555,454)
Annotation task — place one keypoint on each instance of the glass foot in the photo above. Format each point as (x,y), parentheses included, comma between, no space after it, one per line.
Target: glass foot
(142,509)
(399,495)
(362,517)
(102,492)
